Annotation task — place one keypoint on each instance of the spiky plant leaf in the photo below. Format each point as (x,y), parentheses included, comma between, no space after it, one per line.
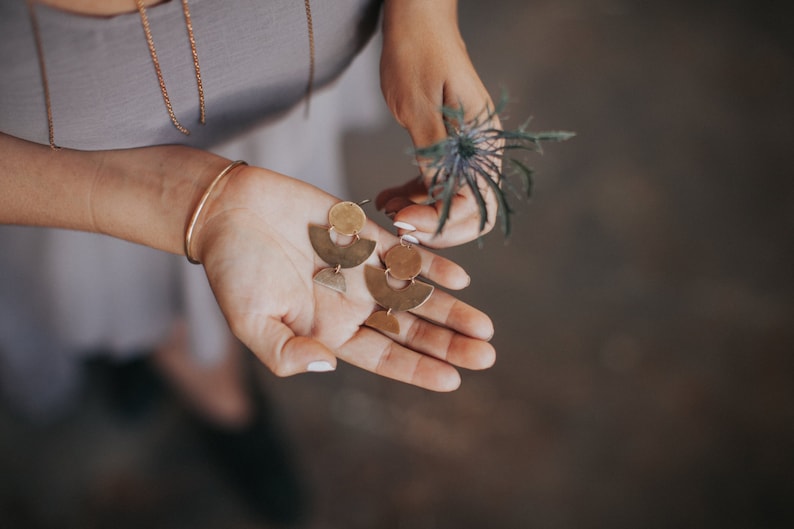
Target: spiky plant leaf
(474,152)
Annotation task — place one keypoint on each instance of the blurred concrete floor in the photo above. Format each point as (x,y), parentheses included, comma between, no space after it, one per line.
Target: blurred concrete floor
(644,310)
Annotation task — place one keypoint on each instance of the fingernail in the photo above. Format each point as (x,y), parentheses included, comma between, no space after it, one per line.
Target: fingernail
(404,226)
(321,366)
(410,238)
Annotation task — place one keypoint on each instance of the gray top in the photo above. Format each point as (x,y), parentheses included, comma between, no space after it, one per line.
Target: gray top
(254,57)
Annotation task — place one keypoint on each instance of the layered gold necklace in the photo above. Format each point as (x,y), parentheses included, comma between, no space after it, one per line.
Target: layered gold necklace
(141,7)
(153,52)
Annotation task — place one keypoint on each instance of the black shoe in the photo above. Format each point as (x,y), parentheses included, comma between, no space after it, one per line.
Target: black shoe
(134,389)
(258,464)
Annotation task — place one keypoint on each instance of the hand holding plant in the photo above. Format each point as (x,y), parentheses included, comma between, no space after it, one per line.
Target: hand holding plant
(433,90)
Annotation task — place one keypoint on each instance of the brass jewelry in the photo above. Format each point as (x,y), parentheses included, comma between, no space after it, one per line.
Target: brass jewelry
(402,262)
(192,223)
(345,218)
(34,22)
(310,28)
(150,41)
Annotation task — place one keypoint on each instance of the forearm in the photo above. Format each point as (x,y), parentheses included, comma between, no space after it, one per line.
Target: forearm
(438,10)
(410,14)
(141,195)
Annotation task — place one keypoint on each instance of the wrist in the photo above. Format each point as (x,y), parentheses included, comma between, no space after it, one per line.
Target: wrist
(149,199)
(193,226)
(237,195)
(410,14)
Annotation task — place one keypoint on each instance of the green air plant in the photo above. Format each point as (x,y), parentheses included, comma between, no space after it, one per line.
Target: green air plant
(480,156)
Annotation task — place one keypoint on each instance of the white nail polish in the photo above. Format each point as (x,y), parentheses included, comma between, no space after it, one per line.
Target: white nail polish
(321,366)
(410,238)
(404,226)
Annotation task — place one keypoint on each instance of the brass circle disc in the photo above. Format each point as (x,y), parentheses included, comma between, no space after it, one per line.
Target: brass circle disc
(347,218)
(403,262)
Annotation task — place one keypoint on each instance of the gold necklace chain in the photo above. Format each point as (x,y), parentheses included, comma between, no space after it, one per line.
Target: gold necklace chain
(34,22)
(156,62)
(158,71)
(310,28)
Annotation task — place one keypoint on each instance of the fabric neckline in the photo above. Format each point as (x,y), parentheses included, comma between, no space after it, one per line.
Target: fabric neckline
(64,17)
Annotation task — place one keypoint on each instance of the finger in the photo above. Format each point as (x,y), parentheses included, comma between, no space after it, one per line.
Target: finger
(436,268)
(424,217)
(427,128)
(413,190)
(396,204)
(457,230)
(467,217)
(286,354)
(442,271)
(422,221)
(442,343)
(375,352)
(474,97)
(454,314)
(430,128)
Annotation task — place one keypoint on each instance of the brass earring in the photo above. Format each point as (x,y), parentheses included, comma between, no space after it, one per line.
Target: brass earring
(345,218)
(403,262)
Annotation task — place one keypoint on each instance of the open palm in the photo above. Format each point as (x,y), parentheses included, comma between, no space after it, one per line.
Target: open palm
(255,247)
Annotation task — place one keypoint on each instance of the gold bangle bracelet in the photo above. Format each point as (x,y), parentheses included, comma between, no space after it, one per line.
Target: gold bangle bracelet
(192,224)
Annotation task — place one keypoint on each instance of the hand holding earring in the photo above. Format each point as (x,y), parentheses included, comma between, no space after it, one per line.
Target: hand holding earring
(259,260)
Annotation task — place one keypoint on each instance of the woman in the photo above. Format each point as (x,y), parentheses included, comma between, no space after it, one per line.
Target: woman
(129,157)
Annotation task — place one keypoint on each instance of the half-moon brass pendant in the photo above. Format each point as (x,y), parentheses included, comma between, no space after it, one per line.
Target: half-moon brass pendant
(346,218)
(410,297)
(339,256)
(348,256)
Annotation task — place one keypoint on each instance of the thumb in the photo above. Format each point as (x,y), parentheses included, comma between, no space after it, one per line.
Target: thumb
(286,354)
(426,129)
